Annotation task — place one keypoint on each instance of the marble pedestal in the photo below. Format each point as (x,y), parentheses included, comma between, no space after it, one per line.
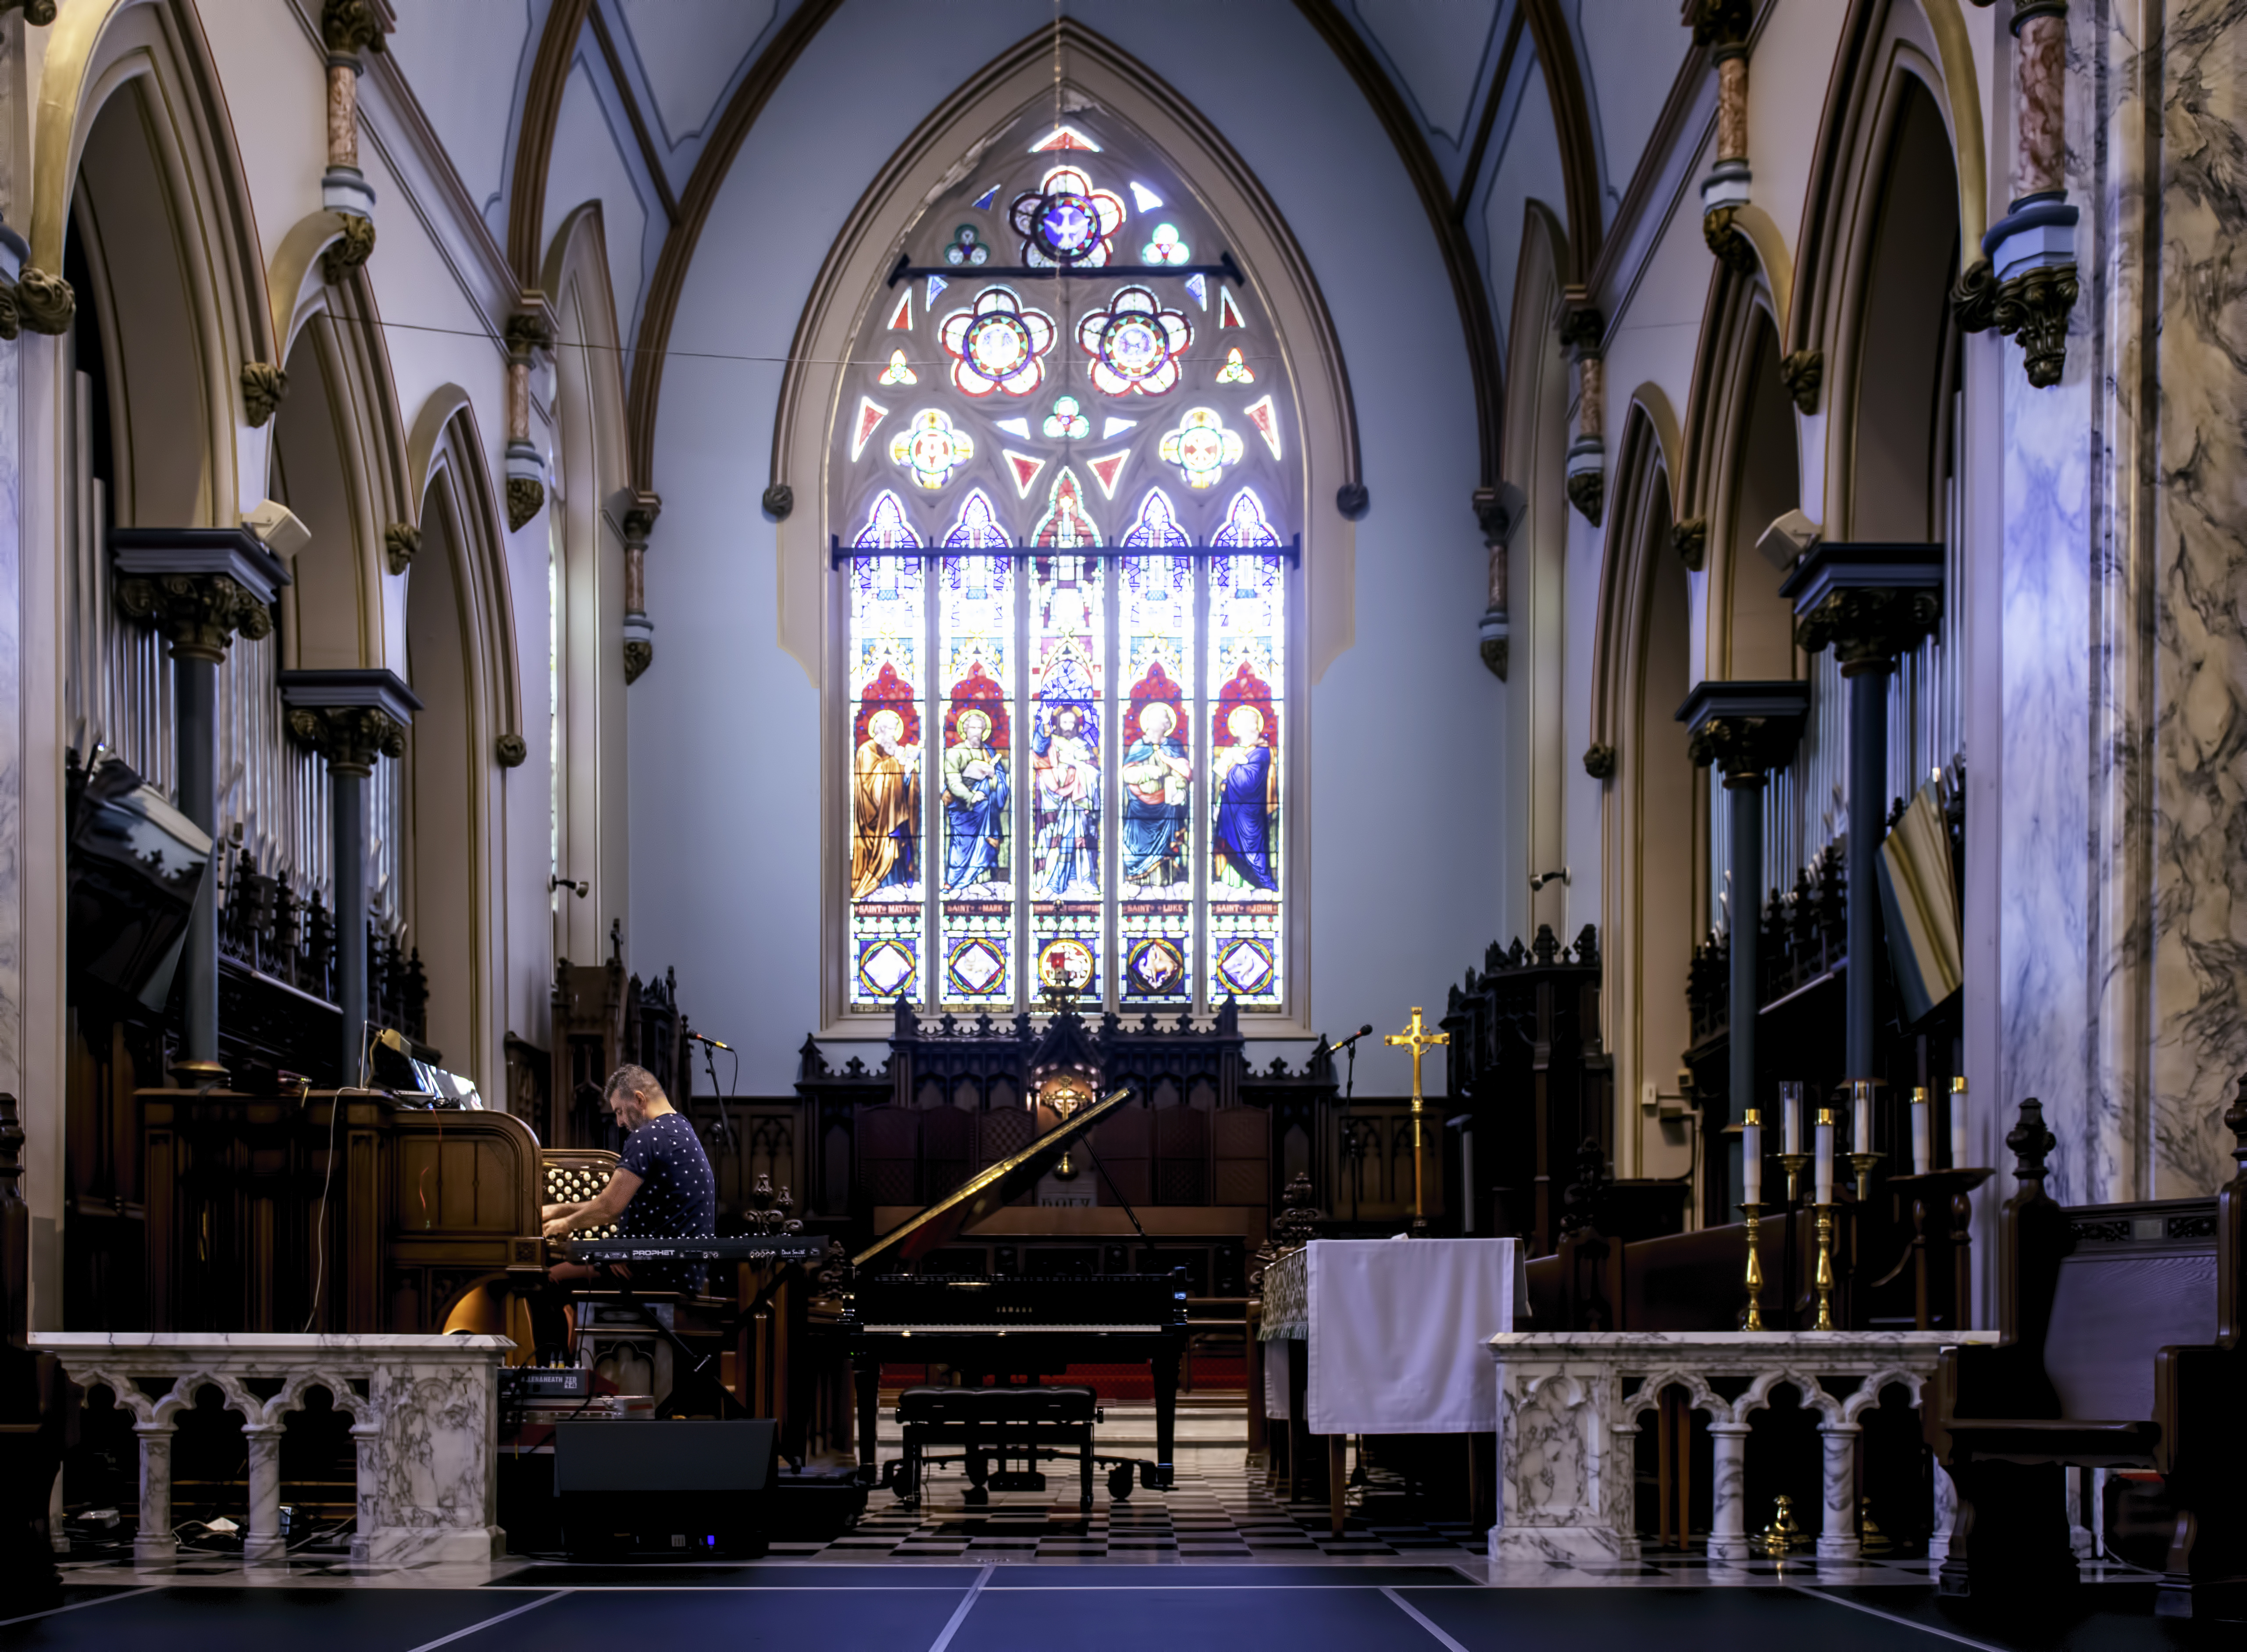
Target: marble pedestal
(1570,1405)
(424,1415)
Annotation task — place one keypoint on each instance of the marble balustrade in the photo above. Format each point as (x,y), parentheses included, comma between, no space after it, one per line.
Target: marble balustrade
(1571,1403)
(423,1418)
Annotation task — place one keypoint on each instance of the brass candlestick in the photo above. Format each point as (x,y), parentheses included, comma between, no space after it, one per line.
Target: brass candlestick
(1862,1163)
(1825,1276)
(1753,1319)
(1795,1164)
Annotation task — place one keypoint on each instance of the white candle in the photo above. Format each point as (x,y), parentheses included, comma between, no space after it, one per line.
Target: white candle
(1860,1114)
(1751,1159)
(1790,1118)
(1959,1150)
(1922,1135)
(1825,1159)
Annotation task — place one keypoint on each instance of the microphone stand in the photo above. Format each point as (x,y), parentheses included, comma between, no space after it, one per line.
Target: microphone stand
(725,1119)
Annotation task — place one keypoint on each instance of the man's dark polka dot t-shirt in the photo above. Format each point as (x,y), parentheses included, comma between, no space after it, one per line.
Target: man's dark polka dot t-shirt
(677,1197)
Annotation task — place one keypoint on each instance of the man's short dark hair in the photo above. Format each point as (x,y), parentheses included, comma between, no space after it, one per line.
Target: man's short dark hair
(636,1079)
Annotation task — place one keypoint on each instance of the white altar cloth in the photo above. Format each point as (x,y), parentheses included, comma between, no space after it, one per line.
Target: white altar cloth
(1398,1332)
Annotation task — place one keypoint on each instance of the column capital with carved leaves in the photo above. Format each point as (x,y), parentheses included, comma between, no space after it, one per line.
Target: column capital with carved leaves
(199,586)
(1869,602)
(1746,727)
(350,717)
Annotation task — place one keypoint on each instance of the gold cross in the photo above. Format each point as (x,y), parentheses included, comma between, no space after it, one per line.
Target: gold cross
(1421,1041)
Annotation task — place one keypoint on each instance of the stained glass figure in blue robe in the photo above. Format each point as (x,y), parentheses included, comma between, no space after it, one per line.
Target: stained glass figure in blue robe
(975,796)
(1245,796)
(1156,777)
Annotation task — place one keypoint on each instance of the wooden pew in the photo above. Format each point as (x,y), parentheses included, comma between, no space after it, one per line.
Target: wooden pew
(2111,1355)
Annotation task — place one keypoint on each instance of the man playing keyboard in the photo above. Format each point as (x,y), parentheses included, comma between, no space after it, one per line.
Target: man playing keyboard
(662,1188)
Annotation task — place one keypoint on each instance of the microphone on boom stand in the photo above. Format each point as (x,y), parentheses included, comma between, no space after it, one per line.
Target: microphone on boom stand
(1349,1083)
(710,1064)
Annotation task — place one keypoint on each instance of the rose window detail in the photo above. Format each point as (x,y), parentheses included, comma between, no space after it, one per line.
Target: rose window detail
(998,344)
(1066,220)
(1135,343)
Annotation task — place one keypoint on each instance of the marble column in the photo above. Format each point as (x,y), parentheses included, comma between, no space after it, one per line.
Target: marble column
(1721,28)
(639,630)
(263,1540)
(367,1448)
(348,28)
(1728,1534)
(351,718)
(1869,603)
(1747,728)
(199,586)
(153,1547)
(1837,1535)
(1944,1516)
(529,332)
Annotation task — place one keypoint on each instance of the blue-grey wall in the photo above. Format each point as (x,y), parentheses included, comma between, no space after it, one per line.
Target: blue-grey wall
(725,729)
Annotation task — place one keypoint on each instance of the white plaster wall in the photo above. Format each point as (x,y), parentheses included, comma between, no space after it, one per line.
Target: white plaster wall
(589,164)
(724,729)
(466,64)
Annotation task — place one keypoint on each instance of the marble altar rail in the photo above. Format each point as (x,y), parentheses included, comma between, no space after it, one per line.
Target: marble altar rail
(423,1418)
(1570,1405)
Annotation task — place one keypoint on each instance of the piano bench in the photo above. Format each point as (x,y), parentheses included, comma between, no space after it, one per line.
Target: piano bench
(1028,1426)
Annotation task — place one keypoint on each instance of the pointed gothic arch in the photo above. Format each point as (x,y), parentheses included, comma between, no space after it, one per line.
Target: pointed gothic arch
(591,495)
(457,649)
(1654,904)
(129,112)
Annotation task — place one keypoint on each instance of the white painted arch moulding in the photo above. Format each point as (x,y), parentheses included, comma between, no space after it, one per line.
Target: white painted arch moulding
(94,50)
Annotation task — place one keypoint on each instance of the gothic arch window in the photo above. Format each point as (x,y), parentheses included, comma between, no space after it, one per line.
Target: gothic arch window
(1066,507)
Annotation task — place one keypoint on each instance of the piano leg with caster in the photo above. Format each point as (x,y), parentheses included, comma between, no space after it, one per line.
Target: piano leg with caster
(868,1374)
(1166,1414)
(1337,1479)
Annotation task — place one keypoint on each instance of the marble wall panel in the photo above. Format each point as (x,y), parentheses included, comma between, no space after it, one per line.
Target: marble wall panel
(2199,569)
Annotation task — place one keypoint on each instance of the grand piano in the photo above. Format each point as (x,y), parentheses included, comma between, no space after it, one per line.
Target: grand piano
(1006,1327)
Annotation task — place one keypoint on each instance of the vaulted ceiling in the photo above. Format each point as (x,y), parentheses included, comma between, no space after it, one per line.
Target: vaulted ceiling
(643,104)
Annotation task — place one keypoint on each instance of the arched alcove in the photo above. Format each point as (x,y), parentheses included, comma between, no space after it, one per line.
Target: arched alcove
(1538,386)
(1650,838)
(584,696)
(438,778)
(1757,622)
(1893,476)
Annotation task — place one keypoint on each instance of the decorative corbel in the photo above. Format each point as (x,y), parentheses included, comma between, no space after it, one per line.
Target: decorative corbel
(2025,285)
(1690,539)
(399,541)
(264,385)
(512,750)
(1803,371)
(639,630)
(348,28)
(29,299)
(528,332)
(38,13)
(353,249)
(779,500)
(1600,761)
(1582,329)
(1722,27)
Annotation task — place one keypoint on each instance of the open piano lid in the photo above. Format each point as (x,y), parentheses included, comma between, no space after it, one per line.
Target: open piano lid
(981,1194)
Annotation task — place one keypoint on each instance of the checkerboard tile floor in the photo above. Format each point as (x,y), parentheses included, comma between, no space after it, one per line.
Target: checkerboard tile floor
(1218,1510)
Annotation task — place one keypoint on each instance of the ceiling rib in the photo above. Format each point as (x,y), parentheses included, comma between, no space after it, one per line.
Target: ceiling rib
(534,144)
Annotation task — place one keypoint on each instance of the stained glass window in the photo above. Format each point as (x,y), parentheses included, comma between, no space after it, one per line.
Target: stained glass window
(1066,654)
